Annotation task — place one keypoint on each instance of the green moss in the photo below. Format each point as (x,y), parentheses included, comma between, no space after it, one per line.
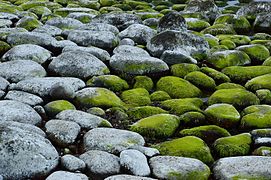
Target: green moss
(40,10)
(260,82)
(112,82)
(219,77)
(212,41)
(144,111)
(136,97)
(261,36)
(105,10)
(7,8)
(98,97)
(178,7)
(181,106)
(29,23)
(55,107)
(219,29)
(222,59)
(262,151)
(133,3)
(31,4)
(201,80)
(196,24)
(267,62)
(229,86)
(256,117)
(224,115)
(243,74)
(193,119)
(105,123)
(257,53)
(239,98)
(4,47)
(199,175)
(189,146)
(207,133)
(172,86)
(181,70)
(46,17)
(96,111)
(159,96)
(107,2)
(264,95)
(237,39)
(238,145)
(159,125)
(124,7)
(218,48)
(228,43)
(253,177)
(143,82)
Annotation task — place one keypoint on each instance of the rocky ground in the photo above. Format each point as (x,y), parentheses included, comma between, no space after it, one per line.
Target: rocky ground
(135,90)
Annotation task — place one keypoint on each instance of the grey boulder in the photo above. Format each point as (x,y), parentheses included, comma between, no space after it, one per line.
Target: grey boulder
(67,176)
(24,97)
(72,163)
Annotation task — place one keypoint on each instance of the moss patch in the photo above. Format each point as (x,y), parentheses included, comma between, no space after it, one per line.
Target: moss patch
(260,82)
(229,86)
(181,70)
(201,80)
(143,82)
(219,77)
(56,107)
(159,96)
(144,111)
(136,97)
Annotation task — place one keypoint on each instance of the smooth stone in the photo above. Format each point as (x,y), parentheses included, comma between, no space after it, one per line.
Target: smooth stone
(67,176)
(25,152)
(127,177)
(3,84)
(111,140)
(85,120)
(147,151)
(64,23)
(130,49)
(92,26)
(24,97)
(72,163)
(62,91)
(51,30)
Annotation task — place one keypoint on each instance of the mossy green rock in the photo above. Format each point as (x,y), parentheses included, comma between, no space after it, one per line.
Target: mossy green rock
(55,107)
(157,126)
(229,86)
(267,62)
(112,82)
(136,97)
(237,39)
(257,53)
(97,97)
(201,80)
(260,82)
(264,95)
(239,98)
(266,43)
(159,96)
(212,41)
(29,23)
(181,70)
(107,2)
(4,47)
(208,133)
(143,82)
(189,146)
(196,24)
(144,111)
(219,77)
(230,45)
(243,74)
(181,106)
(222,59)
(177,87)
(193,119)
(257,116)
(219,29)
(238,145)
(224,115)
(262,151)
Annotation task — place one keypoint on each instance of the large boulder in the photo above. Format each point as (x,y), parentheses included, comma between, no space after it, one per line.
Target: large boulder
(25,152)
(172,21)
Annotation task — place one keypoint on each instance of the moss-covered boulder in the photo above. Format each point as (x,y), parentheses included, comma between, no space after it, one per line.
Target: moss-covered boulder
(4,47)
(224,115)
(112,82)
(264,95)
(97,97)
(257,116)
(266,43)
(238,145)
(29,23)
(177,87)
(157,126)
(136,97)
(257,53)
(239,98)
(181,70)
(137,113)
(143,82)
(262,151)
(181,106)
(193,119)
(55,107)
(201,80)
(222,59)
(189,146)
(196,24)
(260,82)
(229,86)
(159,96)
(219,77)
(219,29)
(267,62)
(237,39)
(230,45)
(243,74)
(208,133)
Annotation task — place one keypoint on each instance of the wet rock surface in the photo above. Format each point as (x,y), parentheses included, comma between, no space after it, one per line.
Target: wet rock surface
(149,89)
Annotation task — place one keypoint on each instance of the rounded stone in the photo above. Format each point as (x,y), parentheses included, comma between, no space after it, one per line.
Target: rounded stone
(72,163)
(67,176)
